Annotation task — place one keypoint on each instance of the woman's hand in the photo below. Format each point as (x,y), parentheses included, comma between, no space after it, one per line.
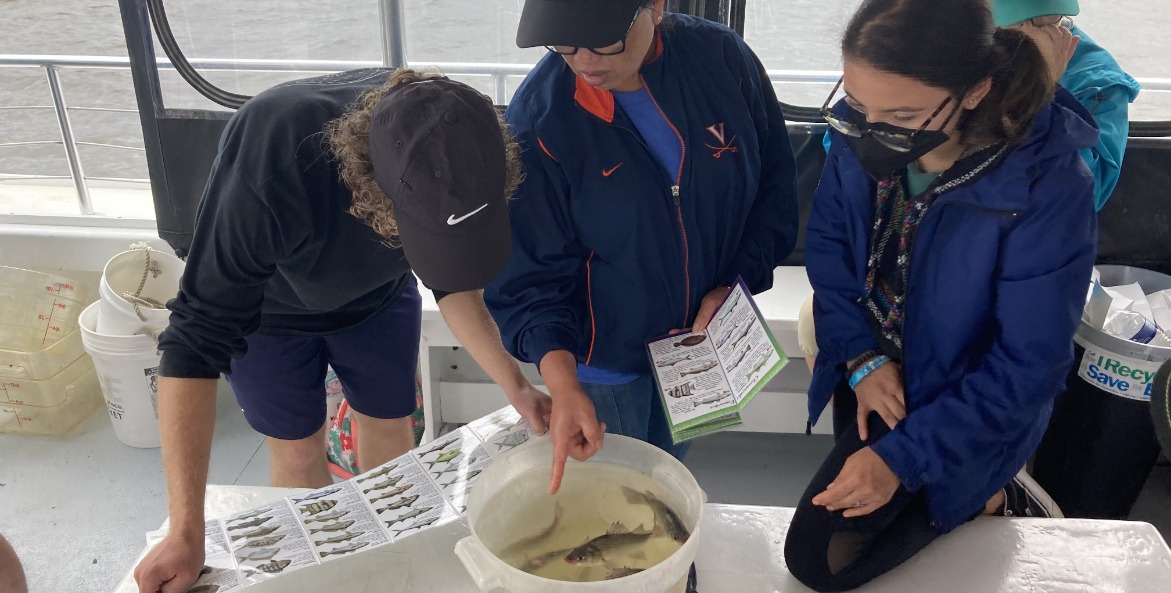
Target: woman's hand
(707,307)
(575,432)
(1057,44)
(864,485)
(881,391)
(533,404)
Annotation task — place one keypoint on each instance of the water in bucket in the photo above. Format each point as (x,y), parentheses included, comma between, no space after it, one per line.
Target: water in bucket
(605,523)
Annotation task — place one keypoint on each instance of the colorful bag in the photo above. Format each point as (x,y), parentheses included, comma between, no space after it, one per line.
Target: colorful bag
(339,439)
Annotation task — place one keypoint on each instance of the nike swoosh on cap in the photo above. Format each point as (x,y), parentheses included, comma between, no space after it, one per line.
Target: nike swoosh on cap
(452,220)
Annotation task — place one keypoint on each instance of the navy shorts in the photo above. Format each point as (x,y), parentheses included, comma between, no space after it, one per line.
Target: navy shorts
(280,382)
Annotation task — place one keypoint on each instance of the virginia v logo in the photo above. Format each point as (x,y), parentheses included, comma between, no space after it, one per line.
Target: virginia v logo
(725,145)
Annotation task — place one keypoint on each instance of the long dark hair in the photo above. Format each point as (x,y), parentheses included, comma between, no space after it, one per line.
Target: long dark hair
(953,45)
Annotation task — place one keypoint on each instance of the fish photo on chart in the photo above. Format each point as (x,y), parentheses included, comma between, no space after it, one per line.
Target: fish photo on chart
(411,515)
(392,493)
(259,555)
(339,538)
(401,504)
(700,368)
(471,476)
(255,533)
(437,448)
(263,542)
(387,483)
(684,390)
(326,517)
(333,527)
(445,457)
(512,441)
(207,588)
(345,549)
(321,494)
(417,525)
(251,514)
(378,473)
(673,360)
(712,399)
(319,506)
(257,522)
(692,340)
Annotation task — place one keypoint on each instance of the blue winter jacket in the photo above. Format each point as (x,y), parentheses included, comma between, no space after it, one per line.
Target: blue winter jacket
(608,249)
(998,278)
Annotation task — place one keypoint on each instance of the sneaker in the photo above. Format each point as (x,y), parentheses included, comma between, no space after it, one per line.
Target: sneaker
(1024,497)
(692,579)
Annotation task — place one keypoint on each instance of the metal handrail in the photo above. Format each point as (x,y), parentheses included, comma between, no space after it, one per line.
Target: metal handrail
(499,72)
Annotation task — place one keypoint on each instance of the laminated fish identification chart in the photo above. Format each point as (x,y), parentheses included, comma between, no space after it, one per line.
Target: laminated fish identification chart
(425,488)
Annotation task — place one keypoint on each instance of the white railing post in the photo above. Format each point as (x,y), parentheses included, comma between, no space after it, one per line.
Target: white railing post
(83,201)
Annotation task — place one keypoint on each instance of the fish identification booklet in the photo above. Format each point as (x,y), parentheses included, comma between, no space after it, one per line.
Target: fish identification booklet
(706,378)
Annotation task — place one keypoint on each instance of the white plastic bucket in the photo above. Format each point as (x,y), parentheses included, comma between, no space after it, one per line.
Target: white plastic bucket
(128,370)
(490,573)
(124,273)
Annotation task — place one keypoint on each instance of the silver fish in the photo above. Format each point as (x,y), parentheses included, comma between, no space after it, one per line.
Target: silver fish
(387,483)
(711,399)
(338,514)
(735,328)
(515,439)
(261,554)
(410,515)
(253,523)
(728,307)
(759,364)
(346,549)
(260,543)
(275,566)
(536,563)
(665,518)
(256,532)
(405,502)
(378,474)
(341,537)
(319,506)
(321,494)
(625,571)
(208,588)
(672,361)
(533,540)
(618,537)
(416,525)
(702,367)
(392,493)
(332,527)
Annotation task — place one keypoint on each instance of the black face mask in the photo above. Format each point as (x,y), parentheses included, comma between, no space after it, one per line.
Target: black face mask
(881,161)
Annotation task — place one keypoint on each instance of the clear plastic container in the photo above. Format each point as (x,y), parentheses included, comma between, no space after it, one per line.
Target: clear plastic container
(56,420)
(48,392)
(44,283)
(41,362)
(31,320)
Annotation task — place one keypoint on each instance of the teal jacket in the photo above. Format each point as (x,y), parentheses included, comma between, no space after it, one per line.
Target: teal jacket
(1099,83)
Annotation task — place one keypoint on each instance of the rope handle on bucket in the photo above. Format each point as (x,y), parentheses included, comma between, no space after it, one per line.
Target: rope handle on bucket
(151,269)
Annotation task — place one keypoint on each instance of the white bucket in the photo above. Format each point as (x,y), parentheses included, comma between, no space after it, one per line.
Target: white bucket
(490,573)
(128,371)
(124,274)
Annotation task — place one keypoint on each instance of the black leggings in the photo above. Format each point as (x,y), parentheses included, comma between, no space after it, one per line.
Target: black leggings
(828,552)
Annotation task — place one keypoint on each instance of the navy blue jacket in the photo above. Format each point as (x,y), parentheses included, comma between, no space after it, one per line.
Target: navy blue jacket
(608,249)
(998,278)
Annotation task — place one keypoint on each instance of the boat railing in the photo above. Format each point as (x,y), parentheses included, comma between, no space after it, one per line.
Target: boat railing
(52,65)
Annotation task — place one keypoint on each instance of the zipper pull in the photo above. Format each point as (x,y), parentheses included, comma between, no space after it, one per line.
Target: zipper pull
(675,194)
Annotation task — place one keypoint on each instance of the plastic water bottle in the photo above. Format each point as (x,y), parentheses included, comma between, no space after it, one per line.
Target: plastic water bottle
(1132,326)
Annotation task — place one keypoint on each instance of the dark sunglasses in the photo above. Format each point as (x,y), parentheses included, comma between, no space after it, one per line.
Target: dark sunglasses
(900,141)
(612,50)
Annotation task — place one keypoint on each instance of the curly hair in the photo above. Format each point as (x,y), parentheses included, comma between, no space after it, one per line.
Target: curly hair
(349,143)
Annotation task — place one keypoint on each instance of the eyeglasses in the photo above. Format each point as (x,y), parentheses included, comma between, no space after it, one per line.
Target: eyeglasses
(899,141)
(610,50)
(1051,19)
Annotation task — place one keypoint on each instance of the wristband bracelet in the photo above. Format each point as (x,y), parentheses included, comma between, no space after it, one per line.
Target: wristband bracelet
(862,359)
(866,369)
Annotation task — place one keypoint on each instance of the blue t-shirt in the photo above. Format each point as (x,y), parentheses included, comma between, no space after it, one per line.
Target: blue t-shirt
(664,143)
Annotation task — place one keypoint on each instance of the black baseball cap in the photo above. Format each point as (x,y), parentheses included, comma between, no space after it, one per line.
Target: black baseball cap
(580,23)
(437,151)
